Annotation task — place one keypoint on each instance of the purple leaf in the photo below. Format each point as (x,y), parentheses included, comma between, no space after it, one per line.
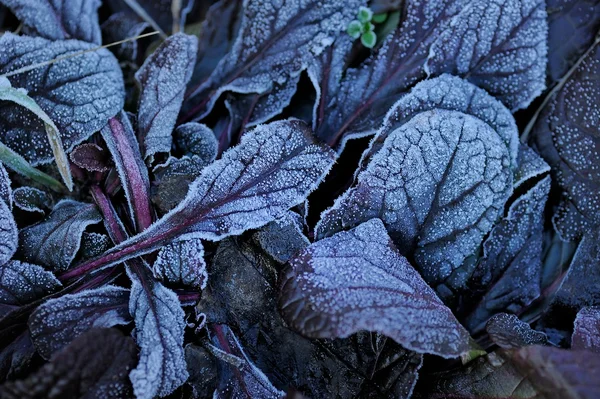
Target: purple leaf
(282,239)
(239,377)
(274,168)
(92,366)
(59,19)
(30,199)
(507,277)
(9,234)
(125,151)
(172,180)
(159,326)
(531,165)
(586,333)
(498,45)
(79,93)
(159,11)
(572,26)
(93,244)
(275,43)
(54,242)
(565,135)
(120,26)
(16,356)
(197,141)
(507,331)
(162,81)
(366,93)
(439,182)
(59,321)
(90,156)
(182,262)
(5,188)
(22,283)
(357,281)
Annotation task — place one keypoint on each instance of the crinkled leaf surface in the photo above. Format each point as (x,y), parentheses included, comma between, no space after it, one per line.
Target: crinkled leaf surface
(90,156)
(162,81)
(159,325)
(572,26)
(5,187)
(454,94)
(93,244)
(59,321)
(22,283)
(357,281)
(282,239)
(586,332)
(275,42)
(438,183)
(499,45)
(566,135)
(239,377)
(31,199)
(182,262)
(59,19)
(79,94)
(54,242)
(507,331)
(507,278)
(274,168)
(198,141)
(367,92)
(95,365)
(9,235)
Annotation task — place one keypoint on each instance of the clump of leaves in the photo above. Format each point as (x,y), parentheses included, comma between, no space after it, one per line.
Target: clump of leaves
(194,208)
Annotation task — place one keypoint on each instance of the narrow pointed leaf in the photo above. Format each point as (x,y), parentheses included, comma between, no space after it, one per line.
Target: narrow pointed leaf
(182,262)
(54,242)
(79,93)
(133,174)
(357,281)
(59,20)
(507,331)
(59,321)
(162,81)
(498,45)
(438,183)
(586,332)
(9,235)
(159,327)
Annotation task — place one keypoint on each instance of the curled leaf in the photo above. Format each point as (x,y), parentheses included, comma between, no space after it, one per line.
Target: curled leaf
(357,280)
(31,199)
(196,140)
(507,331)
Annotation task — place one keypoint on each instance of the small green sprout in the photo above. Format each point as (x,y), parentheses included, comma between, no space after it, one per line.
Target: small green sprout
(368,39)
(363,27)
(355,29)
(379,18)
(364,15)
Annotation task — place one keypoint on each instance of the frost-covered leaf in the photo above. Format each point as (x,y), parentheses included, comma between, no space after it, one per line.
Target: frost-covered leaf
(202,367)
(91,157)
(454,94)
(275,43)
(438,183)
(580,286)
(133,174)
(507,331)
(58,321)
(31,199)
(5,187)
(162,81)
(9,234)
(566,135)
(367,92)
(282,238)
(79,93)
(572,27)
(196,140)
(357,281)
(59,19)
(16,356)
(159,12)
(274,168)
(239,377)
(507,278)
(123,25)
(499,45)
(95,365)
(172,180)
(159,326)
(54,242)
(22,283)
(182,262)
(586,332)
(93,244)
(530,164)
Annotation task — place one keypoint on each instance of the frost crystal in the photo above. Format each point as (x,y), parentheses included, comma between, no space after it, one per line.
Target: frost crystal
(5,187)
(499,45)
(9,234)
(54,242)
(182,262)
(438,183)
(586,331)
(22,283)
(162,81)
(196,140)
(31,199)
(79,94)
(57,322)
(507,331)
(357,280)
